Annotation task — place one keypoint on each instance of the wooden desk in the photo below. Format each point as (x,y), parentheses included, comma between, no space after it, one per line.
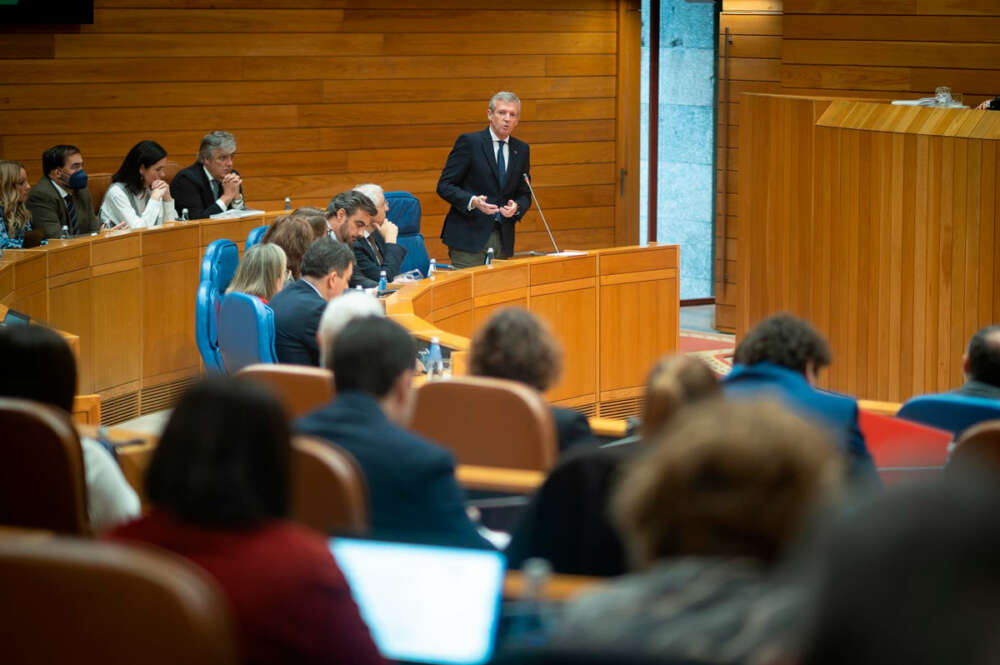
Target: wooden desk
(615,312)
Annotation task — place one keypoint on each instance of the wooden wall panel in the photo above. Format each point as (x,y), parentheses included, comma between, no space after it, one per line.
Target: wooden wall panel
(322,95)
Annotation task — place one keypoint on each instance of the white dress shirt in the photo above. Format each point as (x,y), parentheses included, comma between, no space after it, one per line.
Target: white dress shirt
(139,212)
(506,155)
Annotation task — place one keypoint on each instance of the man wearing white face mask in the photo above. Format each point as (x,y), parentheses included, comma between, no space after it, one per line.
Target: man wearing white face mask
(61,198)
(377,249)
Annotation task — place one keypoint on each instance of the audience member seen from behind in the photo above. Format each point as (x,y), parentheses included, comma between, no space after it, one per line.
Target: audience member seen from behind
(707,516)
(293,235)
(912,579)
(782,357)
(567,520)
(326,271)
(377,251)
(139,197)
(315,218)
(211,185)
(349,214)
(61,197)
(515,344)
(219,486)
(39,365)
(981,365)
(411,481)
(261,272)
(15,220)
(339,312)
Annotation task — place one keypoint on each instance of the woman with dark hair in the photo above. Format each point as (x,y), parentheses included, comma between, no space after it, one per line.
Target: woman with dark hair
(294,235)
(15,219)
(39,365)
(219,486)
(139,197)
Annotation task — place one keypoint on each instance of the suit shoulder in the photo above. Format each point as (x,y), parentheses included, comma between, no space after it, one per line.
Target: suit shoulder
(188,172)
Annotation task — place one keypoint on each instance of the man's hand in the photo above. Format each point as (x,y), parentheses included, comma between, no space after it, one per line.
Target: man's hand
(509,210)
(480,204)
(230,187)
(389,231)
(984,106)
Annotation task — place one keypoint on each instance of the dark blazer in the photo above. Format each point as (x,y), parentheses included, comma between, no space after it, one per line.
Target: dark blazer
(572,427)
(978,389)
(411,481)
(471,170)
(191,189)
(366,264)
(48,209)
(297,310)
(838,413)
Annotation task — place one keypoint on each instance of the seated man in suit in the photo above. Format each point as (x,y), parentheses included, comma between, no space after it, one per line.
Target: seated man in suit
(210,185)
(377,250)
(411,481)
(61,197)
(326,270)
(981,365)
(349,214)
(782,357)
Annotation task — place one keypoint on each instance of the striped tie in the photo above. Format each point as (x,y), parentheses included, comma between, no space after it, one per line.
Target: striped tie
(74,220)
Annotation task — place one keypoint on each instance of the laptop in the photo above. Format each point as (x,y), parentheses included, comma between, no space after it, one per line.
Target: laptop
(425,603)
(32,238)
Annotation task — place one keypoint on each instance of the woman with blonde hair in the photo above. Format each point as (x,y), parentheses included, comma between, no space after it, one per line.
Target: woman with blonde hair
(15,219)
(261,273)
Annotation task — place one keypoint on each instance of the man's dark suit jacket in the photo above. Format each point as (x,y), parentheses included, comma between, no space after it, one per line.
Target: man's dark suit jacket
(411,481)
(978,389)
(191,189)
(838,413)
(471,170)
(366,265)
(297,311)
(572,427)
(48,209)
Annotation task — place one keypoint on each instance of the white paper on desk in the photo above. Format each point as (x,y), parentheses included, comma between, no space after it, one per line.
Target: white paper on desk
(236,214)
(568,252)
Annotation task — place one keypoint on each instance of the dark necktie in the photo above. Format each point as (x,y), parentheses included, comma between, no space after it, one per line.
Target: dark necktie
(217,189)
(378,254)
(501,162)
(74,219)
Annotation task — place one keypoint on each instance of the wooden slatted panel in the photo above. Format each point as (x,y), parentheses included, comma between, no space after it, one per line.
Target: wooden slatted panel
(324,94)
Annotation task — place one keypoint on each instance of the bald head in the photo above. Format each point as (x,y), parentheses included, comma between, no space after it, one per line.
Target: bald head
(982,360)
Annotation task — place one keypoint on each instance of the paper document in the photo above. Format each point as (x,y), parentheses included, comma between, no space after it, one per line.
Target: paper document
(236,214)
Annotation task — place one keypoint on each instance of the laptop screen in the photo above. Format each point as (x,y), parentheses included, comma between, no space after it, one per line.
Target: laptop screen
(423,603)
(15,318)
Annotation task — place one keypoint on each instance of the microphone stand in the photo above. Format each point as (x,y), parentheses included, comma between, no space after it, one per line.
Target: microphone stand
(542,214)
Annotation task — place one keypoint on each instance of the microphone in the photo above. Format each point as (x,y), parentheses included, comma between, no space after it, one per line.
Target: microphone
(542,214)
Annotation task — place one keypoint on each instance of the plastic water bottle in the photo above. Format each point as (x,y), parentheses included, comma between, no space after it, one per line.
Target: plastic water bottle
(65,233)
(383,283)
(184,215)
(489,256)
(288,203)
(432,268)
(433,355)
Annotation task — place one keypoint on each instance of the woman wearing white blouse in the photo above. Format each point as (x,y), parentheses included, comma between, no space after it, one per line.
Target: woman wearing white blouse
(139,197)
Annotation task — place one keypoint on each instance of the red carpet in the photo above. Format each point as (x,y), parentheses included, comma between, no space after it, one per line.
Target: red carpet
(716,349)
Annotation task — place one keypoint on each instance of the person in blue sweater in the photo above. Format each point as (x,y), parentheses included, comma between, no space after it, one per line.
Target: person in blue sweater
(782,357)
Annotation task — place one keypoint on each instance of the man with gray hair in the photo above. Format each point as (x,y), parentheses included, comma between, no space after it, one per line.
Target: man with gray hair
(210,185)
(349,214)
(377,250)
(484,181)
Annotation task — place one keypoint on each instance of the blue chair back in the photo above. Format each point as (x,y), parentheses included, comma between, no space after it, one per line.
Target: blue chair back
(246,332)
(404,211)
(219,263)
(254,236)
(206,332)
(951,412)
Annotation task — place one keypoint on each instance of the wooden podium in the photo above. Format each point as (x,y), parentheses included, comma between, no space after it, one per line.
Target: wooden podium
(879,224)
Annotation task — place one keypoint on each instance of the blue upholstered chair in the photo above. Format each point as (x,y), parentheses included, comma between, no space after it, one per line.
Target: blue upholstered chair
(206,333)
(246,332)
(219,263)
(254,236)
(950,412)
(404,211)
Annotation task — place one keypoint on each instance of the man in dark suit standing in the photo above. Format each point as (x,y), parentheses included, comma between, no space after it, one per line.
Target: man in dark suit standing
(483,180)
(210,185)
(981,365)
(377,251)
(411,481)
(326,271)
(61,198)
